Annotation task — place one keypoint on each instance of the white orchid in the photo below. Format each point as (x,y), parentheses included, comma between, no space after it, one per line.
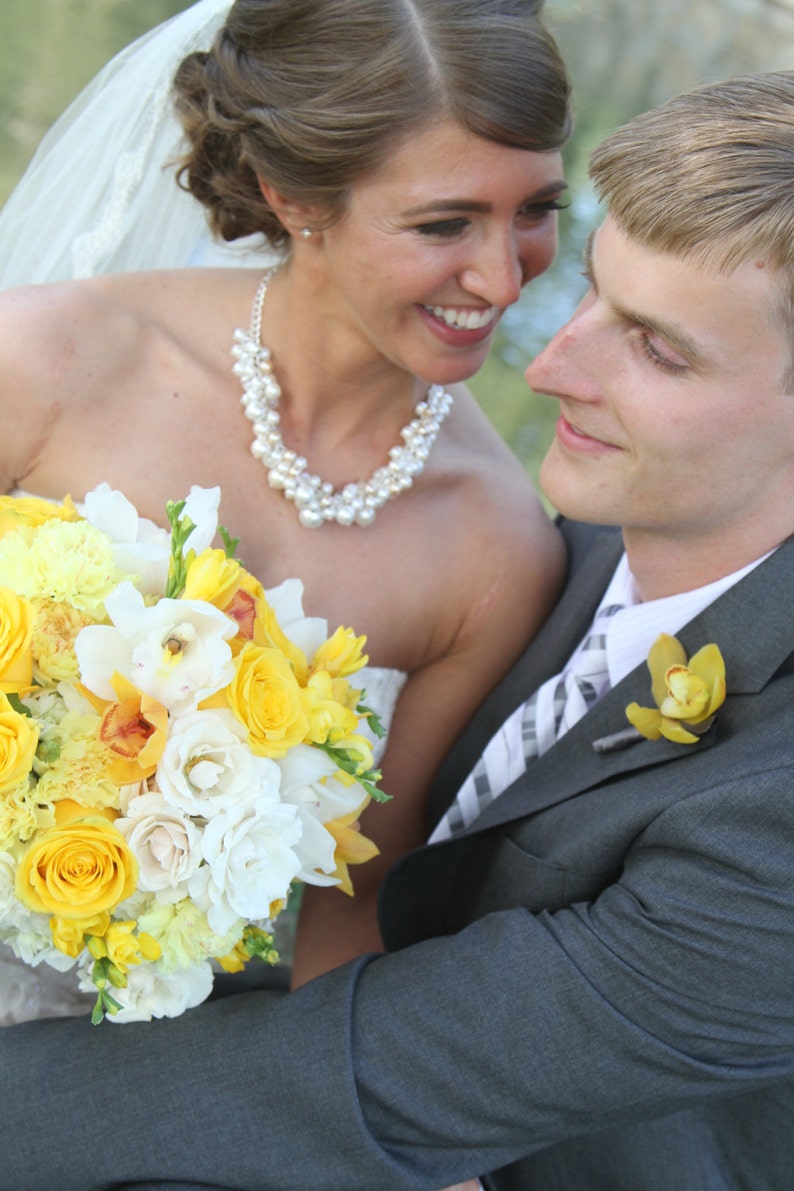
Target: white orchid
(176,651)
(141,547)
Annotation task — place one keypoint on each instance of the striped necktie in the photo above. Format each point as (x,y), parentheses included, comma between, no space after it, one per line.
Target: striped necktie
(573,692)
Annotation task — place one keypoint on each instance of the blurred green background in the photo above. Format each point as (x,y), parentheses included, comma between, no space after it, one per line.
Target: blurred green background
(624,56)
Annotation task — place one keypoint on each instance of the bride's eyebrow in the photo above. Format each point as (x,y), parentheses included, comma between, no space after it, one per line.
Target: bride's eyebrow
(552,190)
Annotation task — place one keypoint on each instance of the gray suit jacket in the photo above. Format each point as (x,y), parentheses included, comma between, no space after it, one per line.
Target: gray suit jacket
(591,990)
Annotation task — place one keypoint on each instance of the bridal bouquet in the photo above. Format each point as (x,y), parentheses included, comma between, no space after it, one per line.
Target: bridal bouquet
(177,746)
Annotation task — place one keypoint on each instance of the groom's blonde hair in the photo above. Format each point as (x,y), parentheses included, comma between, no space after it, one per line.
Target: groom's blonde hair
(709,177)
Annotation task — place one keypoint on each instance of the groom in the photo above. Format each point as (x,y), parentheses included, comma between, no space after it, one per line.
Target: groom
(591,984)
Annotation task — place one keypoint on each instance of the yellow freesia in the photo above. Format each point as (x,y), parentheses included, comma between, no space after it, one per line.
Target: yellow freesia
(351,846)
(268,632)
(684,692)
(69,935)
(341,654)
(327,718)
(213,577)
(123,948)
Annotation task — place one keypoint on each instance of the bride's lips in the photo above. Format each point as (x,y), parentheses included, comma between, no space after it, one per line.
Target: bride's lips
(577,441)
(460,326)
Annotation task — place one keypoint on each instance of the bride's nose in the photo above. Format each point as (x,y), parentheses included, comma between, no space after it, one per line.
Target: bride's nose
(495,272)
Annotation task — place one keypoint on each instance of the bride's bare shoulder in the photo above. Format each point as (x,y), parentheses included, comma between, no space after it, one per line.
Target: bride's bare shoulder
(89,329)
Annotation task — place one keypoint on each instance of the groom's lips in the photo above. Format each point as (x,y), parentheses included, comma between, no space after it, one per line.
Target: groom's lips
(578,441)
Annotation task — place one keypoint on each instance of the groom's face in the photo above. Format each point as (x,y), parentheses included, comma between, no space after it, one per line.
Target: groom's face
(674,415)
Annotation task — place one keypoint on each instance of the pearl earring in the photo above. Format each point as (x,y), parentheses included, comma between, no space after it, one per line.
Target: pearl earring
(306,233)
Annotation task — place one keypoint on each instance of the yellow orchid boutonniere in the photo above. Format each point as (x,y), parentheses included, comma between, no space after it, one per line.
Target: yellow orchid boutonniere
(687,694)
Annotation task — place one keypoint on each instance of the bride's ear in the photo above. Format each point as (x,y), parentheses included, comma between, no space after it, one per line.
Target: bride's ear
(294,216)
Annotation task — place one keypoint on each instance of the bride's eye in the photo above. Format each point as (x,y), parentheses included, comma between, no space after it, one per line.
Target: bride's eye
(443,228)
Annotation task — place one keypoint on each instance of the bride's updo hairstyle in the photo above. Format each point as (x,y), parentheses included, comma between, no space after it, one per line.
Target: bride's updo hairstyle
(312,95)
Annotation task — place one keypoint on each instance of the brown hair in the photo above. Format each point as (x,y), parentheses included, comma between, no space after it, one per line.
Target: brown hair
(709,176)
(310,95)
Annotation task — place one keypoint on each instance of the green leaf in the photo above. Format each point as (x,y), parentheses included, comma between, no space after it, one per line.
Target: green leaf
(373,719)
(17,704)
(230,544)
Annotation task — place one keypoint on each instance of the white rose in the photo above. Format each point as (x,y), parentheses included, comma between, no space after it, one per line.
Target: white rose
(166,843)
(250,862)
(207,765)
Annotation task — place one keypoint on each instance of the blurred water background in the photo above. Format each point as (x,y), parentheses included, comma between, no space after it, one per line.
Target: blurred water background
(624,56)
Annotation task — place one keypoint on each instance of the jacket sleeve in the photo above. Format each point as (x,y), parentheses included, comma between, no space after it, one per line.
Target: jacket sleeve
(457,1055)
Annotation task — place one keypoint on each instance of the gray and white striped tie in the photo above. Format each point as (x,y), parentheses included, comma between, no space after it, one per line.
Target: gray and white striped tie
(577,689)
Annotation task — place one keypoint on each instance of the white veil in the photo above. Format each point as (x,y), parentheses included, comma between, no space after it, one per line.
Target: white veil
(100,195)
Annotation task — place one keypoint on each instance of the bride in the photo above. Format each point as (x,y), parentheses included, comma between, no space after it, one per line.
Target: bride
(391,168)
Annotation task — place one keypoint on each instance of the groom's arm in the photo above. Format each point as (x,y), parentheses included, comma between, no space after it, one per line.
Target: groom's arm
(459,1055)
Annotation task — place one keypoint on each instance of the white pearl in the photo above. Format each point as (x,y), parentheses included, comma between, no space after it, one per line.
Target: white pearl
(316,499)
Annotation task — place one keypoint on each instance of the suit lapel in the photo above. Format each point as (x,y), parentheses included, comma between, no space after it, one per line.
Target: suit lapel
(753,626)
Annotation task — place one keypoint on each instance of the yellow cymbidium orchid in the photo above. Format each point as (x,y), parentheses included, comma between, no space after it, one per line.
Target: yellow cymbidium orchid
(684,692)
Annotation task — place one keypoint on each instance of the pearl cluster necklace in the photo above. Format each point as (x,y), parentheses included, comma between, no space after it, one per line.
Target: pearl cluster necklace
(315,499)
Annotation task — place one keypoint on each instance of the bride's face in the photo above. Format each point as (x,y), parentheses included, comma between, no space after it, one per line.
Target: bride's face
(435,245)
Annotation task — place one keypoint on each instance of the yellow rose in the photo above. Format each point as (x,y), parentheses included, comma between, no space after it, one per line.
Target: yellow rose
(76,871)
(265,696)
(16,511)
(17,619)
(19,738)
(341,654)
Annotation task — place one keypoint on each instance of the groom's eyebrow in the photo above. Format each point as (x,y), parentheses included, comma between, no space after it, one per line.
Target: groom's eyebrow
(672,333)
(552,190)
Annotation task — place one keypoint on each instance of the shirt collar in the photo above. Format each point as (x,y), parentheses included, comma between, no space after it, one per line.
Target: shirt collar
(632,631)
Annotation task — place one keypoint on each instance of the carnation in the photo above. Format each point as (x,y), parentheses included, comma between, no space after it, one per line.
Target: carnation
(54,635)
(65,561)
(184,934)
